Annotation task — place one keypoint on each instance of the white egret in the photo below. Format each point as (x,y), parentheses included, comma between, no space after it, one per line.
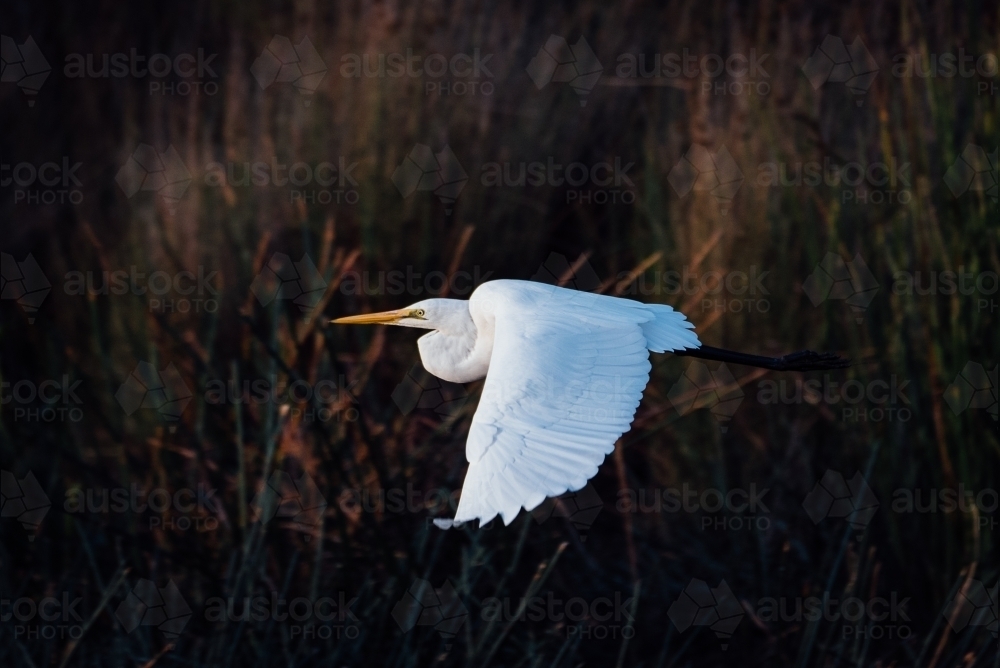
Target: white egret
(564,370)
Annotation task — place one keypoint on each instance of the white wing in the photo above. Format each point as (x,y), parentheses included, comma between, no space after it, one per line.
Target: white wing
(567,373)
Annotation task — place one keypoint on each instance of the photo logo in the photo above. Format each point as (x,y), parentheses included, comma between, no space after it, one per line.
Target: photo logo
(581,508)
(24,65)
(419,389)
(700,387)
(298,501)
(162,173)
(700,170)
(699,605)
(147,605)
(440,173)
(833,496)
(559,62)
(422,605)
(850,281)
(834,62)
(556,270)
(24,500)
(281,278)
(166,392)
(24,283)
(975,170)
(974,387)
(978,606)
(284,62)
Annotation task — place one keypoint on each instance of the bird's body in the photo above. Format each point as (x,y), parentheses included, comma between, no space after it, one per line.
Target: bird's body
(460,347)
(565,371)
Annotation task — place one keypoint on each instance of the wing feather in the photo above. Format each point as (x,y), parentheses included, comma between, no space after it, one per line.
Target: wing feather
(566,376)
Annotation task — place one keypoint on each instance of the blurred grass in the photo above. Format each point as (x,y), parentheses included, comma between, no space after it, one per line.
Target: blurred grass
(375,122)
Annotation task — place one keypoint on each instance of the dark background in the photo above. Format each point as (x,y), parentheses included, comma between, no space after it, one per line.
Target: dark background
(379,432)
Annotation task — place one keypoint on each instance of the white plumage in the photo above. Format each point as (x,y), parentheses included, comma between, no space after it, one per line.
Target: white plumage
(565,371)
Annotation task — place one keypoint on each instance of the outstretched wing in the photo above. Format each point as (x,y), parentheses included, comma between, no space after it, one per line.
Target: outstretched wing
(567,373)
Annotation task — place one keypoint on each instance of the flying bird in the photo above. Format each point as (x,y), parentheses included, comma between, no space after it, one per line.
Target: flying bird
(564,371)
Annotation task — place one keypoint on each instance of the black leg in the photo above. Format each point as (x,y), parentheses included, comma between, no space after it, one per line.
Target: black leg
(804,360)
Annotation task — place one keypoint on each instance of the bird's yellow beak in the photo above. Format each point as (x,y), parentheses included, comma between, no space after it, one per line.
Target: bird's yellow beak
(383,318)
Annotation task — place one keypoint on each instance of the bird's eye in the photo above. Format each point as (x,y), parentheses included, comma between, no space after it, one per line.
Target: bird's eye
(419,313)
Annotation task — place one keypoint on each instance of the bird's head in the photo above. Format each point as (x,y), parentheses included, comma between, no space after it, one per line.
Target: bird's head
(428,314)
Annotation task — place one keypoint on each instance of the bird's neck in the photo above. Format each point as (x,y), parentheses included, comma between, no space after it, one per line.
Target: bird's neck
(456,351)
